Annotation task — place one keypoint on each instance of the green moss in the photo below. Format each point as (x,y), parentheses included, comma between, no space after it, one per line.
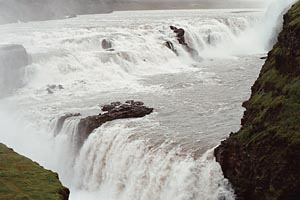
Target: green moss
(21,178)
(294,13)
(262,160)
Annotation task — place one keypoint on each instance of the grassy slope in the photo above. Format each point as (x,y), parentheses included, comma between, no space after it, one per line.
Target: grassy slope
(21,178)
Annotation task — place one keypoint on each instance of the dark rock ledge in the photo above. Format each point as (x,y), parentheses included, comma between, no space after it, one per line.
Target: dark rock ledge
(113,111)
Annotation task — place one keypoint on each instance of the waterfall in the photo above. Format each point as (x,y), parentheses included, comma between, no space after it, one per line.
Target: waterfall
(147,158)
(116,162)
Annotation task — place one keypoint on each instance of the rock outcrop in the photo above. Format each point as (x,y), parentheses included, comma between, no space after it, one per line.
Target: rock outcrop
(113,111)
(13,59)
(262,160)
(51,88)
(106,44)
(180,35)
(21,178)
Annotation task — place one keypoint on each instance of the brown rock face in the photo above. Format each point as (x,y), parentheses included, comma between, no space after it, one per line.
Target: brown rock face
(116,110)
(262,160)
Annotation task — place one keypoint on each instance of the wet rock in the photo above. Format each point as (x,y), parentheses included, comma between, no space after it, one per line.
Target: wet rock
(49,91)
(115,110)
(180,32)
(111,106)
(61,120)
(135,103)
(193,53)
(106,44)
(51,88)
(170,46)
(13,59)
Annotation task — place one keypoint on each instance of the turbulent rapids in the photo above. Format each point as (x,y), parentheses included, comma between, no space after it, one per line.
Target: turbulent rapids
(165,155)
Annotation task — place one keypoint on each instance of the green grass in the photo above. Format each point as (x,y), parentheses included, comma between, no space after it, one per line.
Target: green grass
(21,178)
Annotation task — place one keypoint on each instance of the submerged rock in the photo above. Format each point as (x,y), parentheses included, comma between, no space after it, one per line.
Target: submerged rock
(113,111)
(13,59)
(262,160)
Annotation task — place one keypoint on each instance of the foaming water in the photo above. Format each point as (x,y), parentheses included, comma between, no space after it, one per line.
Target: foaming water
(263,35)
(63,51)
(166,155)
(274,20)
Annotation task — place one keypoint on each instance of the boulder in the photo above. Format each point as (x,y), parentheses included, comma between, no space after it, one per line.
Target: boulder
(13,59)
(51,88)
(113,111)
(180,32)
(106,44)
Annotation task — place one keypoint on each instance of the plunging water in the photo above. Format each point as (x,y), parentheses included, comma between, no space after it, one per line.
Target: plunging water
(166,155)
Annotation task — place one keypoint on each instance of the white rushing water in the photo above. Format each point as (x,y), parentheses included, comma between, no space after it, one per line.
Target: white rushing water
(166,155)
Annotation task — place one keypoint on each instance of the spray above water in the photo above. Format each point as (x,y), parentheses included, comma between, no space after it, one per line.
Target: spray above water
(274,20)
(261,37)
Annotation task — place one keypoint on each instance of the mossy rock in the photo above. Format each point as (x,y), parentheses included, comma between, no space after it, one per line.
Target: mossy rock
(23,179)
(262,160)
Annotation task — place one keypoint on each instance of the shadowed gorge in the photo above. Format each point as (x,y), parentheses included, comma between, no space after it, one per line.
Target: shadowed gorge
(262,159)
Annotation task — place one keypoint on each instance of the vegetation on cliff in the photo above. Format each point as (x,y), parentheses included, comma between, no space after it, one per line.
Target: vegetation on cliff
(21,178)
(262,160)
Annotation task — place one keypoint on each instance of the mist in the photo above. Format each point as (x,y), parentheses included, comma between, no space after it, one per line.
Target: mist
(33,10)
(36,10)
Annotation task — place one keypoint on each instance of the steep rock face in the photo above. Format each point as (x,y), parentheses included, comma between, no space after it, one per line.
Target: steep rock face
(13,59)
(21,178)
(262,160)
